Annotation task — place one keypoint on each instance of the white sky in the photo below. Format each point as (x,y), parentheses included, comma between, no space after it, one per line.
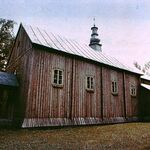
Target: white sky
(124,25)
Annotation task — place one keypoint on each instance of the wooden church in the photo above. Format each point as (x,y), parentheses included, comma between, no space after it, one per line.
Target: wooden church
(59,82)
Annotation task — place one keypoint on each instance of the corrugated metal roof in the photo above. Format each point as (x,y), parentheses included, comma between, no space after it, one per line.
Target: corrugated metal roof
(48,39)
(145,86)
(8,79)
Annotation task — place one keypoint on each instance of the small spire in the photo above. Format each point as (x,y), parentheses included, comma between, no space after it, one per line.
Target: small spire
(94,21)
(94,40)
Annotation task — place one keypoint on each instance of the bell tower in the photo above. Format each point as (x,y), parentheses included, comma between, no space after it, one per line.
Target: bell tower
(94,40)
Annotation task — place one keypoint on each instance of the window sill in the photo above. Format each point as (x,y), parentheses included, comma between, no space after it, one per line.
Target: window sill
(90,90)
(114,94)
(133,95)
(57,85)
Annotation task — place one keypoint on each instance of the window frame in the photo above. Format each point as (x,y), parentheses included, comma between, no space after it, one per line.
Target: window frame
(58,75)
(114,86)
(133,90)
(90,85)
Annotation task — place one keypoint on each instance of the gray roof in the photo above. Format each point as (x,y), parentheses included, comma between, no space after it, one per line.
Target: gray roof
(8,79)
(59,43)
(146,77)
(145,86)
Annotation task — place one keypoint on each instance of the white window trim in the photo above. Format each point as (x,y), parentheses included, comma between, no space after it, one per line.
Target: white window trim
(57,84)
(115,92)
(89,89)
(133,87)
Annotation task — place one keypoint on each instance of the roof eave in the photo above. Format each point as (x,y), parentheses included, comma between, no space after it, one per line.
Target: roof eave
(36,45)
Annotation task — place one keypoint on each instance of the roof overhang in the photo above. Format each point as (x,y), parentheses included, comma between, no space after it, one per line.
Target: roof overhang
(145,86)
(8,79)
(145,77)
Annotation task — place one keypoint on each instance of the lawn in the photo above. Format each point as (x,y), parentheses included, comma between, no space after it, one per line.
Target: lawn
(129,136)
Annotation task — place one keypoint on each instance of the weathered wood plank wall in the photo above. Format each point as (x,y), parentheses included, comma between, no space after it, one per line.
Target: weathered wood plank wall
(86,103)
(46,101)
(20,62)
(113,104)
(42,104)
(131,101)
(72,104)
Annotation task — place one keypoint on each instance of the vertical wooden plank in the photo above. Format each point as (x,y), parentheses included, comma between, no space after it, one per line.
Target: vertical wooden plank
(101,88)
(124,93)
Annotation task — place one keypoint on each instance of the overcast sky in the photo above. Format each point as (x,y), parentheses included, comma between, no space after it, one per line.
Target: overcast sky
(124,25)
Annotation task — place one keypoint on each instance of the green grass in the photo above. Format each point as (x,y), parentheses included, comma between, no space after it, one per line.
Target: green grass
(129,136)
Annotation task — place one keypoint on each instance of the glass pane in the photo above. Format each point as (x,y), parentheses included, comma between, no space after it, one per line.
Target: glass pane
(60,81)
(91,83)
(55,81)
(91,86)
(60,73)
(55,72)
(88,82)
(55,76)
(113,87)
(132,91)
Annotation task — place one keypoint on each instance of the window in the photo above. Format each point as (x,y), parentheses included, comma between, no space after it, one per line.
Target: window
(58,77)
(132,90)
(90,83)
(114,83)
(114,87)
